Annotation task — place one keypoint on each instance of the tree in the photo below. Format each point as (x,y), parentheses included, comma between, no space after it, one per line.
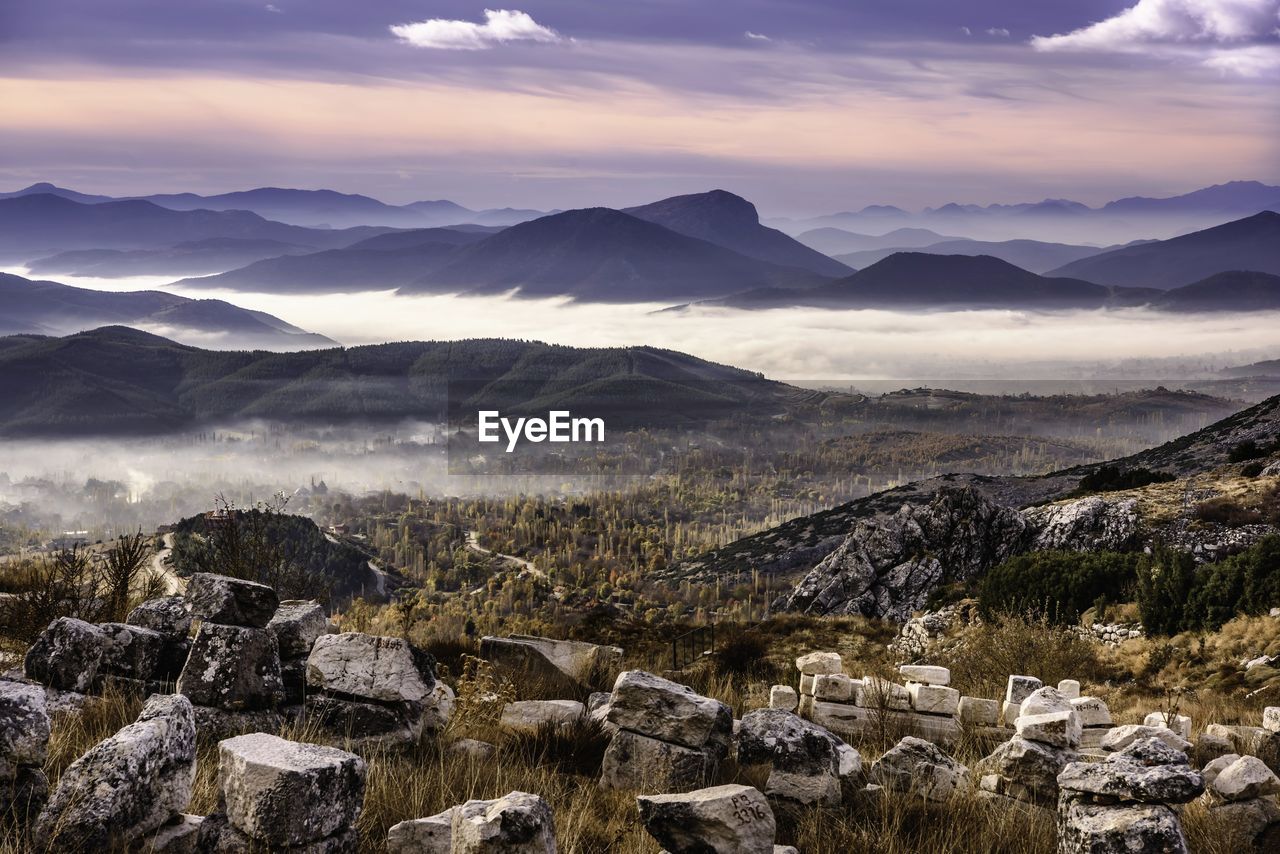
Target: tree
(1166,581)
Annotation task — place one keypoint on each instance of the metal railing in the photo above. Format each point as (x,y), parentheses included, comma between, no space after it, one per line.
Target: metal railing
(692,645)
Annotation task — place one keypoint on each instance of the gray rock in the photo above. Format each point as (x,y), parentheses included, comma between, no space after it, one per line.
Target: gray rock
(529,716)
(662,709)
(431,835)
(639,763)
(789,743)
(131,652)
(1120,779)
(66,655)
(719,820)
(560,666)
(1044,700)
(1213,768)
(286,793)
(181,835)
(218,724)
(1122,736)
(293,681)
(1246,778)
(517,823)
(366,724)
(219,836)
(363,666)
(24,726)
(230,601)
(1252,825)
(296,624)
(1087,524)
(438,709)
(127,785)
(232,667)
(1060,729)
(1032,766)
(23,795)
(168,615)
(921,767)
(1085,828)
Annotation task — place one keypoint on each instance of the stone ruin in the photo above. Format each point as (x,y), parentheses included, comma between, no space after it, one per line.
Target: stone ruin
(719,820)
(517,823)
(562,666)
(1026,767)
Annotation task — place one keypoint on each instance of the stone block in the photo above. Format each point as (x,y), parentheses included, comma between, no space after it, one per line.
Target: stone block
(783,697)
(820,664)
(979,712)
(933,699)
(925,674)
(230,601)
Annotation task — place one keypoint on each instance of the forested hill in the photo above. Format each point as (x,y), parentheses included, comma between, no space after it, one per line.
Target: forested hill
(116,380)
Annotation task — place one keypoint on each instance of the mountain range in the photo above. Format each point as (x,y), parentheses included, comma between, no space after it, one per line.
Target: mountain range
(1037,256)
(50,308)
(192,258)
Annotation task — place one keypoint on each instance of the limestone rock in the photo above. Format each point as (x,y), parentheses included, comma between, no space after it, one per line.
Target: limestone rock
(296,624)
(642,764)
(719,820)
(23,794)
(919,766)
(1087,524)
(1181,724)
(1093,712)
(1019,688)
(1059,729)
(560,665)
(783,697)
(230,601)
(1044,700)
(1214,767)
(808,761)
(1243,826)
(925,674)
(820,664)
(836,688)
(1069,688)
(528,716)
(127,785)
(24,726)
(933,699)
(232,667)
(666,710)
(219,836)
(366,724)
(375,668)
(1031,765)
(168,615)
(219,724)
(517,823)
(131,652)
(476,751)
(1122,736)
(66,656)
(438,708)
(1085,828)
(180,835)
(977,712)
(1271,718)
(1248,777)
(1121,779)
(286,793)
(430,835)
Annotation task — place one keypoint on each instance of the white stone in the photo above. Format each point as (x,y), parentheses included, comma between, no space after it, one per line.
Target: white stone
(430,835)
(1271,718)
(639,763)
(920,767)
(836,688)
(1009,713)
(1181,724)
(1093,712)
(517,823)
(1123,736)
(977,711)
(925,674)
(783,697)
(1070,688)
(1042,701)
(1058,729)
(1215,767)
(720,820)
(374,668)
(820,664)
(1246,778)
(806,684)
(933,699)
(528,716)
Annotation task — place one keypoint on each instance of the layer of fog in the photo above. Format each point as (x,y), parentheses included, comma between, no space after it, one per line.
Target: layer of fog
(797,344)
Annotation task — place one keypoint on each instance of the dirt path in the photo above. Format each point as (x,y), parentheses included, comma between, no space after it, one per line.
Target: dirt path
(173,585)
(473,543)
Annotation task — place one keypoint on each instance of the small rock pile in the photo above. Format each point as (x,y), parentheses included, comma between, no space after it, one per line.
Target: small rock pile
(127,786)
(371,690)
(296,625)
(719,820)
(1114,634)
(280,795)
(921,768)
(918,633)
(1127,802)
(232,674)
(24,742)
(807,763)
(1241,794)
(517,823)
(669,738)
(1026,767)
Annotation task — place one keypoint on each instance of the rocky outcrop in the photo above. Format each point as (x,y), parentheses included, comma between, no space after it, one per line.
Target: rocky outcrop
(887,566)
(719,820)
(24,741)
(1087,524)
(127,785)
(807,762)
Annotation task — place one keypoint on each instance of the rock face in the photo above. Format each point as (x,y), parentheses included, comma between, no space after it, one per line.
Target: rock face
(560,664)
(232,668)
(887,566)
(127,785)
(231,601)
(517,823)
(919,766)
(284,793)
(66,656)
(807,761)
(368,667)
(1088,524)
(719,820)
(24,741)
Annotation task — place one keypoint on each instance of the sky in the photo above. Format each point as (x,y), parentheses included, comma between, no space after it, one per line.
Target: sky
(804,106)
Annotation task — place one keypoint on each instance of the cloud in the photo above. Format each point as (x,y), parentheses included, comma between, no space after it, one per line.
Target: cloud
(274,9)
(760,37)
(500,26)
(966,31)
(998,31)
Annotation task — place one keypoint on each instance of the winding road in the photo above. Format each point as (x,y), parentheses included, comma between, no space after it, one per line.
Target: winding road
(473,543)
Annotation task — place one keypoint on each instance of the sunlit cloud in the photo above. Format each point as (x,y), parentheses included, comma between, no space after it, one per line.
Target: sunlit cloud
(759,37)
(500,27)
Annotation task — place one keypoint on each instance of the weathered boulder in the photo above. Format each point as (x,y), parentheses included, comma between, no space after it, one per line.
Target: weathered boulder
(1271,719)
(666,710)
(473,750)
(1086,828)
(286,793)
(888,565)
(560,665)
(933,699)
(218,835)
(1060,729)
(1252,825)
(921,767)
(820,664)
(366,723)
(430,835)
(836,688)
(24,726)
(639,763)
(1093,712)
(127,785)
(720,820)
(438,708)
(1087,524)
(1044,700)
(231,601)
(66,656)
(517,823)
(1246,778)
(1123,736)
(232,667)
(131,652)
(1216,766)
(808,762)
(168,615)
(180,835)
(528,716)
(1129,778)
(357,665)
(218,724)
(1028,769)
(296,624)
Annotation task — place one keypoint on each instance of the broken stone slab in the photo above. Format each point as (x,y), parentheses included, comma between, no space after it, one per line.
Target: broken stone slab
(24,726)
(232,667)
(1033,767)
(66,655)
(1019,688)
(1086,828)
(296,624)
(1127,781)
(978,712)
(1093,712)
(131,652)
(287,793)
(808,762)
(728,819)
(366,724)
(430,835)
(218,724)
(836,688)
(1009,713)
(920,767)
(231,601)
(639,763)
(127,785)
(1044,700)
(1181,724)
(1122,736)
(925,674)
(666,710)
(168,615)
(1058,729)
(933,699)
(559,665)
(364,666)
(806,684)
(854,722)
(529,716)
(820,664)
(1246,778)
(1069,688)
(516,823)
(783,697)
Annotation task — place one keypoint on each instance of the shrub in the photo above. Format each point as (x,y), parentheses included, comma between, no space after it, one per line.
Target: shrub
(1060,584)
(741,654)
(1175,596)
(1112,478)
(1166,580)
(1026,643)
